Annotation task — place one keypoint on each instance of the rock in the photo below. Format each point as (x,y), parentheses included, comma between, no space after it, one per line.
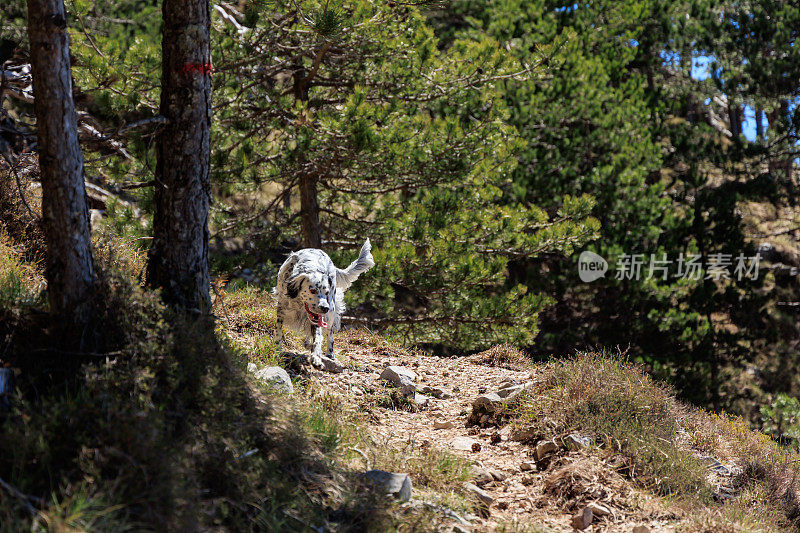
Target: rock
(464,444)
(598,509)
(275,377)
(479,493)
(481,476)
(495,438)
(641,529)
(523,434)
(505,392)
(527,465)
(443,424)
(436,393)
(490,402)
(583,519)
(397,485)
(252,368)
(420,400)
(458,529)
(399,376)
(574,442)
(332,365)
(476,446)
(544,448)
(498,475)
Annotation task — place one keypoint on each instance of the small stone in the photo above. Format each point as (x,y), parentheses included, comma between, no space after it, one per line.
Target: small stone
(495,438)
(498,475)
(598,510)
(583,519)
(443,424)
(574,442)
(458,529)
(275,377)
(641,529)
(544,448)
(510,390)
(481,390)
(527,465)
(332,365)
(252,368)
(481,476)
(398,376)
(463,443)
(476,447)
(490,402)
(436,393)
(420,400)
(523,434)
(479,493)
(397,485)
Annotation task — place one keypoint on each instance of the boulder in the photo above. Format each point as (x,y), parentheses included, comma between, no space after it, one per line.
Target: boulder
(275,377)
(397,485)
(252,368)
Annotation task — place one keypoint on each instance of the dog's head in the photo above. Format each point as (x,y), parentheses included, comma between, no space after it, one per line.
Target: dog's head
(315,288)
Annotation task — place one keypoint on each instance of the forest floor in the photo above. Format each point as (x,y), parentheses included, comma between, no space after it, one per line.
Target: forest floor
(529,491)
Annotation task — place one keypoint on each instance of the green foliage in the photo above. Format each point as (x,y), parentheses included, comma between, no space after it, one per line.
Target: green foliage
(408,145)
(781,419)
(619,117)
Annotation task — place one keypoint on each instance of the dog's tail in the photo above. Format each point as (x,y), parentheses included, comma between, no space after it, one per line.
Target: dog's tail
(346,277)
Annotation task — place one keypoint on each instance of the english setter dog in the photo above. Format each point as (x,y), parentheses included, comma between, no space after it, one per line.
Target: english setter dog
(310,293)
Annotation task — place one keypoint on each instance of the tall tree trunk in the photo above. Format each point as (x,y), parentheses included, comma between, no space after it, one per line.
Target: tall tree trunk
(70,266)
(309,211)
(178,260)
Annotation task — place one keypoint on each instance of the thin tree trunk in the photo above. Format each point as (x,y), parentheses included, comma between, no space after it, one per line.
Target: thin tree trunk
(309,212)
(70,266)
(178,259)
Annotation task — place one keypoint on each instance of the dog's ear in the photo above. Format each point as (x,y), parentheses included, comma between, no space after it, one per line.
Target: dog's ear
(293,286)
(332,294)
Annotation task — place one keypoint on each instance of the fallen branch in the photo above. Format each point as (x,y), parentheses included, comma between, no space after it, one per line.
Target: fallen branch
(24,498)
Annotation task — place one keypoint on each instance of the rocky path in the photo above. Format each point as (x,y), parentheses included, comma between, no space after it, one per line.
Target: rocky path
(552,494)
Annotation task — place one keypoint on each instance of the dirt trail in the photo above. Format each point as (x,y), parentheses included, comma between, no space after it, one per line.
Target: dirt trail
(520,497)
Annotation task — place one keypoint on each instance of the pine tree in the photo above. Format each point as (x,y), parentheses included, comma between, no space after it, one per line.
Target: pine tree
(70,266)
(381,134)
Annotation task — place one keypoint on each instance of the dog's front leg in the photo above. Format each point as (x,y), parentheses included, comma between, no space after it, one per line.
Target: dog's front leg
(279,314)
(315,342)
(330,344)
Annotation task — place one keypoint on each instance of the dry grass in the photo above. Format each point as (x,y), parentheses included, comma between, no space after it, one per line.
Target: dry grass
(661,443)
(502,356)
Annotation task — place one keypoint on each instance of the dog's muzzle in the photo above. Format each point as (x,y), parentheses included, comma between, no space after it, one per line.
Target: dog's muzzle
(316,319)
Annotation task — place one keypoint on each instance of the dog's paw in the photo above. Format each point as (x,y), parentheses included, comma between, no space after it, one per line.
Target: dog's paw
(316,361)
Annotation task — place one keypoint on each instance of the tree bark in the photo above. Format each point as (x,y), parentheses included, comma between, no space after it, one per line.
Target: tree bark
(309,212)
(70,266)
(178,258)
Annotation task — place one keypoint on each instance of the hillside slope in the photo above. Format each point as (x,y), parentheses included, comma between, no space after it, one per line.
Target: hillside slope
(544,442)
